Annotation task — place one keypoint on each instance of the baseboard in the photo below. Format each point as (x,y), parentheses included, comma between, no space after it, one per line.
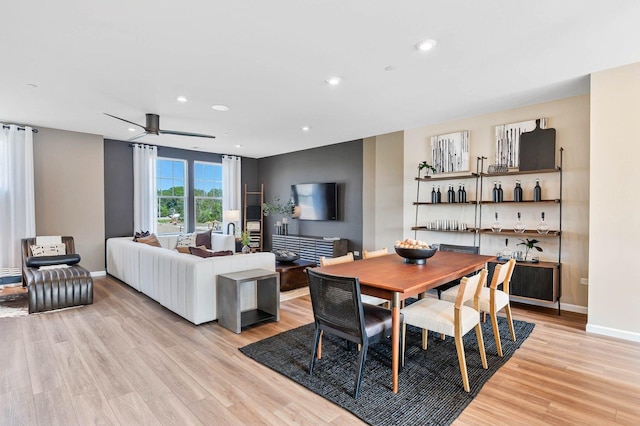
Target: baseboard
(563,306)
(613,332)
(99,274)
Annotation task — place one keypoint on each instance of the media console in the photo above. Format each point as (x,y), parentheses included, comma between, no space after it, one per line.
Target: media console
(310,248)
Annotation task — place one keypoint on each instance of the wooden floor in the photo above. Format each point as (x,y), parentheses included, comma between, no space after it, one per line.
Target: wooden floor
(126,360)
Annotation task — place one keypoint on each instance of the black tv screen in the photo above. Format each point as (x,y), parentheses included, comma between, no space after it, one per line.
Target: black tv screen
(315,201)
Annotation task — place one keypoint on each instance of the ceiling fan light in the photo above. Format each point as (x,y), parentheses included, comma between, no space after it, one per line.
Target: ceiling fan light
(426,45)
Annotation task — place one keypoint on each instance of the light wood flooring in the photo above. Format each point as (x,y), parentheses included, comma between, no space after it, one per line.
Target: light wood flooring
(126,360)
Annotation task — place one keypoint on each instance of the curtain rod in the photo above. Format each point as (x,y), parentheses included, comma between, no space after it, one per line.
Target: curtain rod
(4,126)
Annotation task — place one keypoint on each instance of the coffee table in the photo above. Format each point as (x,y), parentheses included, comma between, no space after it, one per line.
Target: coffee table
(292,274)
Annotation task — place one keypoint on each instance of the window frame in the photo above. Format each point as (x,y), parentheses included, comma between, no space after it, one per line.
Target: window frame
(213,198)
(185,196)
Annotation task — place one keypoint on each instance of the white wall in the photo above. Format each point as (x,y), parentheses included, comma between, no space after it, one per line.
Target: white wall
(614,292)
(570,118)
(69,190)
(382,191)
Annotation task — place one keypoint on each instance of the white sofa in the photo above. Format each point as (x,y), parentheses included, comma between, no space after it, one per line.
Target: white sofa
(184,283)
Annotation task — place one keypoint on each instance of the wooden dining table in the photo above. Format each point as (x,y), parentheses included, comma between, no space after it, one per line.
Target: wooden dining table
(389,277)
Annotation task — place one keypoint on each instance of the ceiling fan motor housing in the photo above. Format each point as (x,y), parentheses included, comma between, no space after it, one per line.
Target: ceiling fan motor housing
(153,124)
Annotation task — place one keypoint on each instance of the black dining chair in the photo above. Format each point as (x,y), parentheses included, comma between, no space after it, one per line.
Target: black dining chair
(338,310)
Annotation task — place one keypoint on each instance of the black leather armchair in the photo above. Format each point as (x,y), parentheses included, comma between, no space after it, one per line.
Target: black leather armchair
(55,288)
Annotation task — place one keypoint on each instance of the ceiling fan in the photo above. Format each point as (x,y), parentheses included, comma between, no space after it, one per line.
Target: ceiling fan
(153,128)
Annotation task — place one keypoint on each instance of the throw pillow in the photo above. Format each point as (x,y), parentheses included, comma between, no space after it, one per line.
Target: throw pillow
(151,240)
(186,240)
(197,251)
(223,253)
(183,250)
(50,250)
(140,235)
(204,239)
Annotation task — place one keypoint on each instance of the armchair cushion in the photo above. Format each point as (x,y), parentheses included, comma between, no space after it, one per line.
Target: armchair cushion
(64,259)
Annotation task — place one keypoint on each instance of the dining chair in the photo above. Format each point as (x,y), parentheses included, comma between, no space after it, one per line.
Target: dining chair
(492,300)
(338,310)
(458,249)
(366,254)
(452,319)
(325,261)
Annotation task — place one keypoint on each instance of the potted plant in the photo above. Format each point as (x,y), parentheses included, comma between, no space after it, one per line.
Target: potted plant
(530,244)
(278,207)
(429,168)
(245,242)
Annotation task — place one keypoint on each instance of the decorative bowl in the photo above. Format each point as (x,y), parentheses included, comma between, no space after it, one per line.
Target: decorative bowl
(416,256)
(285,255)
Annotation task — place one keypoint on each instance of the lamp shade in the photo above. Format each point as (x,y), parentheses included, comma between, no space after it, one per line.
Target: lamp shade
(231,215)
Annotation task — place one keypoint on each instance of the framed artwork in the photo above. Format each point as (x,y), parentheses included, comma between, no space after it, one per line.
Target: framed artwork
(450,152)
(508,140)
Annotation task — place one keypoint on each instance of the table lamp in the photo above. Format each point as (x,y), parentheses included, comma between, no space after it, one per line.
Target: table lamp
(231,216)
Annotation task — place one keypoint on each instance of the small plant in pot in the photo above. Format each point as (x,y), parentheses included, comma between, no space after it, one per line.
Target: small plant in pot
(245,242)
(429,168)
(530,244)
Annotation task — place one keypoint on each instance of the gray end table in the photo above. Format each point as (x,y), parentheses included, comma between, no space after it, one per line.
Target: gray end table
(228,296)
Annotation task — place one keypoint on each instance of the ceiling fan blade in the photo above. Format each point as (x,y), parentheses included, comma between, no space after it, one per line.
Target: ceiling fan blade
(138,136)
(175,132)
(126,121)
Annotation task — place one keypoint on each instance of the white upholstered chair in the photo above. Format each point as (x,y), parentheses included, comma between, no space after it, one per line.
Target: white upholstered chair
(326,261)
(492,300)
(452,319)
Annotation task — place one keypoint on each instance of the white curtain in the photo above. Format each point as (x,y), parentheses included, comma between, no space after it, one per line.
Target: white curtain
(17,197)
(145,200)
(231,182)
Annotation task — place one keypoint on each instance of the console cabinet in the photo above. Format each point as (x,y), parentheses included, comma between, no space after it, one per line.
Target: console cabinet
(537,281)
(310,248)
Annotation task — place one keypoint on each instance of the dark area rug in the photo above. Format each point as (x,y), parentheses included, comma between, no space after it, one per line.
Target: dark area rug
(430,385)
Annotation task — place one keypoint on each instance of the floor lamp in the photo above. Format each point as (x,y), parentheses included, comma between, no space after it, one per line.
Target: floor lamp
(231,217)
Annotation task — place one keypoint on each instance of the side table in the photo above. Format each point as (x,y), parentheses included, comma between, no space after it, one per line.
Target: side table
(292,274)
(228,298)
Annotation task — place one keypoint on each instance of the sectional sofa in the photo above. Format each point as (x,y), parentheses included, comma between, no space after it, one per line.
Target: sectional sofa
(184,283)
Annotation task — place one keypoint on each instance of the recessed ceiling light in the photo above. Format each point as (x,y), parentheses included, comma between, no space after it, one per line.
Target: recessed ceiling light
(389,68)
(33,86)
(220,107)
(334,81)
(196,147)
(238,146)
(306,128)
(225,134)
(425,45)
(131,129)
(181,99)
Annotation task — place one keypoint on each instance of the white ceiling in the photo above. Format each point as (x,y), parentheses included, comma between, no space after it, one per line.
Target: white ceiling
(268,61)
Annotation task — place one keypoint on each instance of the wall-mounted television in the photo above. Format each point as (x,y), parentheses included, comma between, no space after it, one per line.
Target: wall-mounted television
(315,201)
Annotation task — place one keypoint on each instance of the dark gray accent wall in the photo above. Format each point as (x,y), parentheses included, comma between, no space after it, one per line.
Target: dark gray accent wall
(118,182)
(340,163)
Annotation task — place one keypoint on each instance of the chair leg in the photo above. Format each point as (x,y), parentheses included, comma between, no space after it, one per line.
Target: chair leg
(496,332)
(507,309)
(403,341)
(462,361)
(319,345)
(362,359)
(316,345)
(483,354)
(425,337)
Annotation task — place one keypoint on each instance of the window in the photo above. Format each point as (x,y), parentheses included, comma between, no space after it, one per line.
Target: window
(207,185)
(172,195)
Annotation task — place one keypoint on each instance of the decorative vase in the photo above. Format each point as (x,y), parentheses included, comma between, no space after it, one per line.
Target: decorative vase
(246,249)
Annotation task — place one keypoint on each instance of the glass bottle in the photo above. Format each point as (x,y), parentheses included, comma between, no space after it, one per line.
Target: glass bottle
(543,227)
(434,197)
(517,192)
(518,228)
(537,191)
(506,253)
(464,194)
(494,192)
(438,195)
(451,195)
(496,226)
(460,197)
(500,193)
